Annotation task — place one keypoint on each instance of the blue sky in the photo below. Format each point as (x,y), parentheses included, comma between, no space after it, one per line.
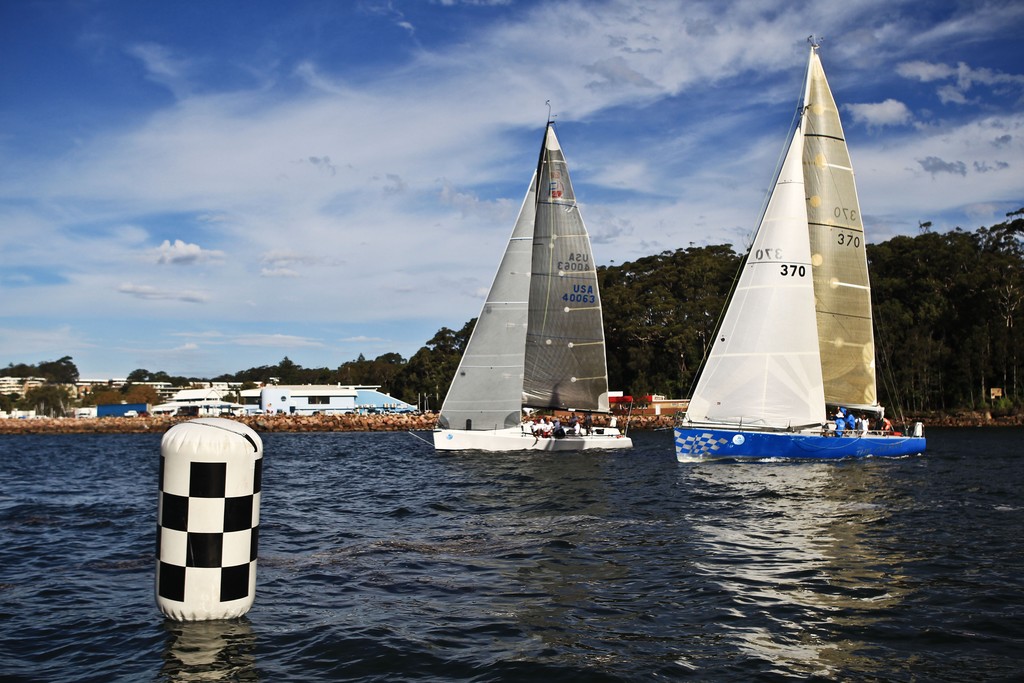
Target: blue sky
(204,187)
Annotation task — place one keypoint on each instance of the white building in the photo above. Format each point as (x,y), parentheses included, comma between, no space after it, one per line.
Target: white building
(322,399)
(200,402)
(20,385)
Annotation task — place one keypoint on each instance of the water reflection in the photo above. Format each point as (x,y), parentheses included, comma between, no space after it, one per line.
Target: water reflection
(209,651)
(795,553)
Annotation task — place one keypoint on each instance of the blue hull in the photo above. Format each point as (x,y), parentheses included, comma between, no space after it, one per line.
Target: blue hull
(693,443)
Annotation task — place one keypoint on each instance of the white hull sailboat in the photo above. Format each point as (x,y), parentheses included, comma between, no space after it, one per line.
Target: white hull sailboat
(538,342)
(797,334)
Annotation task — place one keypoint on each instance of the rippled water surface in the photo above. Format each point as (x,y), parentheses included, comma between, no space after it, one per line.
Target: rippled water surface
(381,560)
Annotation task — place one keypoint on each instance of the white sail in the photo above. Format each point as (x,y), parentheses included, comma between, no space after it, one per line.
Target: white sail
(486,392)
(838,250)
(763,368)
(565,351)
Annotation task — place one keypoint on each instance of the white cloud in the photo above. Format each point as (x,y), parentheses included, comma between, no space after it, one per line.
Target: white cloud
(935,165)
(361,339)
(964,78)
(154,293)
(276,340)
(925,71)
(162,66)
(278,272)
(888,113)
(184,253)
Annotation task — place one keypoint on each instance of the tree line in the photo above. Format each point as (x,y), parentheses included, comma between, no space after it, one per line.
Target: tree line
(945,316)
(945,308)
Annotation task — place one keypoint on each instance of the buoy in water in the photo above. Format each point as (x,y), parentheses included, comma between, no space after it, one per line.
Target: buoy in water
(208,519)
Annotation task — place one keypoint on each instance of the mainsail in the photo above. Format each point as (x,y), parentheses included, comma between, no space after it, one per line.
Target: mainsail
(565,351)
(838,250)
(763,368)
(486,392)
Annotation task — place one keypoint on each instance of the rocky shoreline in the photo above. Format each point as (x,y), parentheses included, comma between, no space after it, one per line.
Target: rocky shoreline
(381,423)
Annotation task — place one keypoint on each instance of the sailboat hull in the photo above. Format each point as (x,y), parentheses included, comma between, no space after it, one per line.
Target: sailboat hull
(515,439)
(704,444)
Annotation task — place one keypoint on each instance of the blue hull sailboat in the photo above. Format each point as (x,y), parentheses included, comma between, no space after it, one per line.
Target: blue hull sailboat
(797,333)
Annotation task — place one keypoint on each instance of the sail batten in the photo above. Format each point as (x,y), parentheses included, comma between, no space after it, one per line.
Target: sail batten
(815,224)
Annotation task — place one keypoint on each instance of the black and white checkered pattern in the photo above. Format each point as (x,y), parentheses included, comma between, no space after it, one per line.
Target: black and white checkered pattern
(208,533)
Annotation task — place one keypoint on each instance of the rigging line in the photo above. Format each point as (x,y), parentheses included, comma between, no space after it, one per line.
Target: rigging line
(417,436)
(547,293)
(887,372)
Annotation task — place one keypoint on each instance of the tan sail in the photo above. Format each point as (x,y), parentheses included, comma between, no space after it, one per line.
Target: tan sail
(842,291)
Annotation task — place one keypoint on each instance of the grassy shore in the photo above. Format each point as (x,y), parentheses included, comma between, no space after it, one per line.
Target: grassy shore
(386,423)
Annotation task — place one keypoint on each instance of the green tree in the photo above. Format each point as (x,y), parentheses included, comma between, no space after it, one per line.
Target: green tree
(430,370)
(138,375)
(60,371)
(20,370)
(140,393)
(660,313)
(51,400)
(102,396)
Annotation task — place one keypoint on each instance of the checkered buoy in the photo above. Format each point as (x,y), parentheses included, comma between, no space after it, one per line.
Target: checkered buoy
(208,519)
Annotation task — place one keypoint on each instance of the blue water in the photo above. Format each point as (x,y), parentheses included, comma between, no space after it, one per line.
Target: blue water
(381,560)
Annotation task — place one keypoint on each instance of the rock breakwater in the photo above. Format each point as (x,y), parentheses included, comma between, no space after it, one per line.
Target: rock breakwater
(391,423)
(267,423)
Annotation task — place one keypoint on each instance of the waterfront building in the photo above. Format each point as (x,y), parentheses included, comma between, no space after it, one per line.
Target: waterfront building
(321,399)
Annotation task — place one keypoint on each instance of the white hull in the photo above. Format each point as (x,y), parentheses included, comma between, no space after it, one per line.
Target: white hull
(514,439)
